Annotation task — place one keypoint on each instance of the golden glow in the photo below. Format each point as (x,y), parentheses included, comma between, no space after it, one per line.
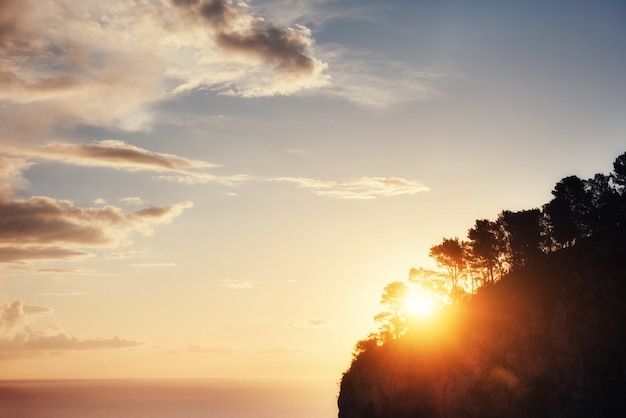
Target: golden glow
(420,303)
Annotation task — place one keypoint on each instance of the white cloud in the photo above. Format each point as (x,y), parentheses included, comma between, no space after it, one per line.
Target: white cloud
(363,188)
(236,284)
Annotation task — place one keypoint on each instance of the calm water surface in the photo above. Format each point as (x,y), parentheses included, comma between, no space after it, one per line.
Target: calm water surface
(168,398)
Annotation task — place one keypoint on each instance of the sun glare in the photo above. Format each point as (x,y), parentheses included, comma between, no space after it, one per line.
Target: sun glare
(420,303)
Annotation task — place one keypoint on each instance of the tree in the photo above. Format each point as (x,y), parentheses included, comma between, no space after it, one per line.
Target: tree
(393,318)
(487,248)
(619,172)
(605,203)
(523,233)
(569,213)
(450,254)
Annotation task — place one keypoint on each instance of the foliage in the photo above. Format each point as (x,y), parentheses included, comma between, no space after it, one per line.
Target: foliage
(514,241)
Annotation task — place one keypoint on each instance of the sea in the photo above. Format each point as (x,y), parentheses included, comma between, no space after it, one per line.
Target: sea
(214,398)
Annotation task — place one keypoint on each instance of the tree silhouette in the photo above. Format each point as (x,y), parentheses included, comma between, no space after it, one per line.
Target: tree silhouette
(451,255)
(487,249)
(570,212)
(393,318)
(523,232)
(619,171)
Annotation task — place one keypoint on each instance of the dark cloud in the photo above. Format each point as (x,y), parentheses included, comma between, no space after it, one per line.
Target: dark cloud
(287,50)
(43,220)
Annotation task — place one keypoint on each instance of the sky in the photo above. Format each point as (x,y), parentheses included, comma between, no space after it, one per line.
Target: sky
(212,188)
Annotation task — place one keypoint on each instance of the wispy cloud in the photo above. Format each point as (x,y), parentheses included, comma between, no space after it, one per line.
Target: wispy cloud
(68,293)
(236,284)
(363,188)
(132,201)
(153,265)
(376,82)
(206,349)
(20,253)
(17,339)
(122,156)
(309,323)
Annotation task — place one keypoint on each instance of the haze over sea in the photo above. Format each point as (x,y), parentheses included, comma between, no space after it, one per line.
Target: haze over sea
(168,398)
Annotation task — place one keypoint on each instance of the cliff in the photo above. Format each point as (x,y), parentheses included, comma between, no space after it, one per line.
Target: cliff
(546,341)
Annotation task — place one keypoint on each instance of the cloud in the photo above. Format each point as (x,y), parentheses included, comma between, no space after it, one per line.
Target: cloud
(363,188)
(69,293)
(15,314)
(309,323)
(376,82)
(29,341)
(132,201)
(236,284)
(20,340)
(57,66)
(21,253)
(12,314)
(45,228)
(42,221)
(153,265)
(122,156)
(246,41)
(202,349)
(65,63)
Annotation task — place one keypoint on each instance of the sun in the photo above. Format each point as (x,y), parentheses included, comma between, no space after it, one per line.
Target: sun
(420,303)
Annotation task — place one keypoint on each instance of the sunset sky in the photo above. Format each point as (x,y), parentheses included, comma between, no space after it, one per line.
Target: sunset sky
(207,188)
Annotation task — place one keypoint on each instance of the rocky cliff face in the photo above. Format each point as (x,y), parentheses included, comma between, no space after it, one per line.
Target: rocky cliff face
(549,341)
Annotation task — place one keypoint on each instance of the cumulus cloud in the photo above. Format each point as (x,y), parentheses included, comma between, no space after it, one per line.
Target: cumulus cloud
(247,39)
(57,66)
(363,188)
(15,314)
(65,63)
(12,314)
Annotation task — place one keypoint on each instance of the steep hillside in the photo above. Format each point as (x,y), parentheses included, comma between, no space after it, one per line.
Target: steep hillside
(546,341)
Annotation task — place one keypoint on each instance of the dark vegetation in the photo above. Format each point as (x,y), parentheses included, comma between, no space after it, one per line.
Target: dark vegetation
(536,326)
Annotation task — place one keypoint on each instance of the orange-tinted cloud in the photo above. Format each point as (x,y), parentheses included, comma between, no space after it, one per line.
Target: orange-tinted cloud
(17,339)
(22,253)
